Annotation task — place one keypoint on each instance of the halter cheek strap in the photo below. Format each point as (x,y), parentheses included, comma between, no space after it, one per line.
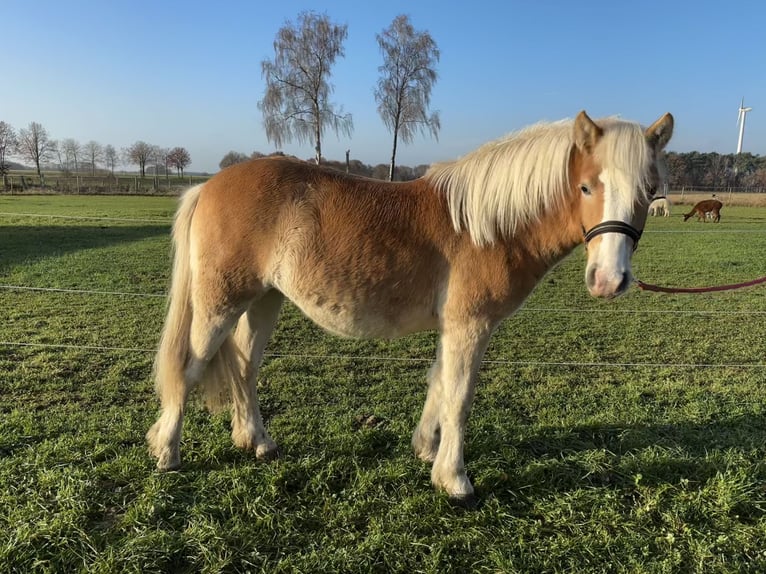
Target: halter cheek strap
(613,227)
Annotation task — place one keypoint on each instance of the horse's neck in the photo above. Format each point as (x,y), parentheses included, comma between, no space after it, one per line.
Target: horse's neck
(550,238)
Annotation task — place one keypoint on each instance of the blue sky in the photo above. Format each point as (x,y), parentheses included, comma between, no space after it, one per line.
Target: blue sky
(188,73)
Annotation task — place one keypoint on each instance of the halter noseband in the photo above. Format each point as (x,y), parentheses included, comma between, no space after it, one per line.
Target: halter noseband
(613,226)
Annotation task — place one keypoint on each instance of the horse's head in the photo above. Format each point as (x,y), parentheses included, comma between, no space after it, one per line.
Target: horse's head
(615,169)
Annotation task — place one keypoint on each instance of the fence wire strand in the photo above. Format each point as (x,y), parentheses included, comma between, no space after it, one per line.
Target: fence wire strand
(561,310)
(389,359)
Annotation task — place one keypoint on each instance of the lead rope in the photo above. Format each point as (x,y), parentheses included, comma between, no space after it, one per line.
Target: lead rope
(659,289)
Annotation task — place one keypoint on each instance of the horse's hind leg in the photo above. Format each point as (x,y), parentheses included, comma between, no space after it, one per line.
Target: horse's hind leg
(425,439)
(207,332)
(252,335)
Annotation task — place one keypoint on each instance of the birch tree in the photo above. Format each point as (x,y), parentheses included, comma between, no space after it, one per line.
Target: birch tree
(296,105)
(407,75)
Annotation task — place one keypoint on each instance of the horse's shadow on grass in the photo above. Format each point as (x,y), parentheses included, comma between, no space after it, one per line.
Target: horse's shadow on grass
(22,244)
(369,443)
(557,459)
(554,459)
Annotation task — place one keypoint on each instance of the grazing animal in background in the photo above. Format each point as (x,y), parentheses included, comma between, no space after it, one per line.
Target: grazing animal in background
(456,251)
(660,206)
(707,208)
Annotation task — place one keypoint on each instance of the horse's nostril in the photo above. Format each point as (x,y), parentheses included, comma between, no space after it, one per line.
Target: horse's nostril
(590,276)
(625,283)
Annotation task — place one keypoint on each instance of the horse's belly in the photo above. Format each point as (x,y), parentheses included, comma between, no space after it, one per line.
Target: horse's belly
(357,320)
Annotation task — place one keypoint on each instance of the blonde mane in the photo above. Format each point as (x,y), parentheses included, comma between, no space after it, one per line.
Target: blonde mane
(503,185)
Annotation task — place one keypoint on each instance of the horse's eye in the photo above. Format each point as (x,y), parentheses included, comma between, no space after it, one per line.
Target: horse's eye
(585,189)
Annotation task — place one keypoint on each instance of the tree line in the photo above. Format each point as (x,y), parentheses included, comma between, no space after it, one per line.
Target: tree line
(700,170)
(685,170)
(353,166)
(33,144)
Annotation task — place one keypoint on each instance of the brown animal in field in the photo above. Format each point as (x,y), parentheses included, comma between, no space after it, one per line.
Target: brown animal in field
(712,206)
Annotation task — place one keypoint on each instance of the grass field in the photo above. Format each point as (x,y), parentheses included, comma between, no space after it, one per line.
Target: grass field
(623,436)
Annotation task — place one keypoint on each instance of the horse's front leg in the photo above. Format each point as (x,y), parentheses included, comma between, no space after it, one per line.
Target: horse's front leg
(462,347)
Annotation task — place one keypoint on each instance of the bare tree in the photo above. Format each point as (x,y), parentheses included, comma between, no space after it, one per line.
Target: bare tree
(718,166)
(71,149)
(138,154)
(179,158)
(756,179)
(420,170)
(380,171)
(8,143)
(296,103)
(408,73)
(232,158)
(58,157)
(94,151)
(35,145)
(160,156)
(110,157)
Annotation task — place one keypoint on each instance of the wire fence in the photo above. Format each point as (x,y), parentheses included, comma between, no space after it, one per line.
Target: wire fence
(377,358)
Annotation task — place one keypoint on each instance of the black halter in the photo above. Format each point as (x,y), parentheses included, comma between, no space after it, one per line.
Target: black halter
(613,227)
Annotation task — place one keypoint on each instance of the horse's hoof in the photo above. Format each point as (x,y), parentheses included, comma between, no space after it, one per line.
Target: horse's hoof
(168,461)
(467,501)
(168,467)
(267,455)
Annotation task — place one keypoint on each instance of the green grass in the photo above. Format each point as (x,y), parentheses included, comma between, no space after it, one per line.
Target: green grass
(643,461)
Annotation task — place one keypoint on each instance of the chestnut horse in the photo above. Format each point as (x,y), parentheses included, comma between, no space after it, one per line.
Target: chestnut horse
(456,251)
(706,208)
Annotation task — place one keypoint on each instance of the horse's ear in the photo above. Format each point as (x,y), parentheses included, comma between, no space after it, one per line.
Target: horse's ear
(587,133)
(659,133)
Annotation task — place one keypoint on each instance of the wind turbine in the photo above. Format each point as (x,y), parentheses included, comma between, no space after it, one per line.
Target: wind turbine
(741,121)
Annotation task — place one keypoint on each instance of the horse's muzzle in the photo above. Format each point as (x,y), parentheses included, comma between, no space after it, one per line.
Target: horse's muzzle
(605,285)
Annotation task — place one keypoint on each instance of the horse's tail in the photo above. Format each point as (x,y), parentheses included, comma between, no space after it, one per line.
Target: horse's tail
(174,350)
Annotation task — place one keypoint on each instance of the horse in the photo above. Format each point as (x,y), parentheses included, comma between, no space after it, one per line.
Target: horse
(707,208)
(660,206)
(456,251)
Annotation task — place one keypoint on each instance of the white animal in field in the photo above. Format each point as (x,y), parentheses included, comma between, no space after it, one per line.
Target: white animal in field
(660,206)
